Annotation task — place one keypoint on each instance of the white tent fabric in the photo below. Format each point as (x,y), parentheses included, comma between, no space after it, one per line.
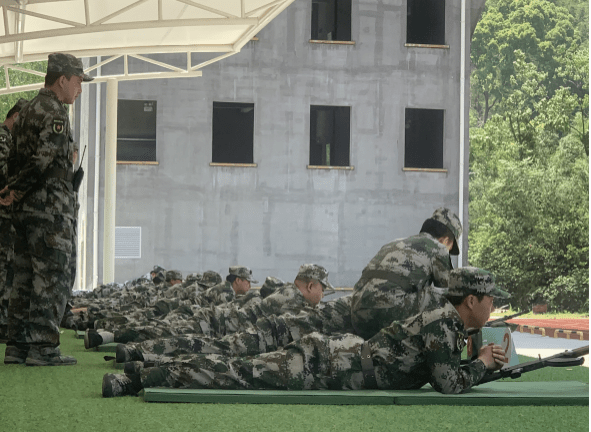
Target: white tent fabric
(32,29)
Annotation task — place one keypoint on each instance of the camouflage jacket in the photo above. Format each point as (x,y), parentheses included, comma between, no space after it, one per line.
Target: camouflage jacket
(390,283)
(5,148)
(219,321)
(42,145)
(217,294)
(425,348)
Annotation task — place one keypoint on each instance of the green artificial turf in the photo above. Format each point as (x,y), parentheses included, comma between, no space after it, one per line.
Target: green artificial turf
(68,398)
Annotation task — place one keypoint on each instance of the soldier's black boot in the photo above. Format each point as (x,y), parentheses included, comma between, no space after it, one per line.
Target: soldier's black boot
(15,354)
(125,353)
(48,356)
(115,385)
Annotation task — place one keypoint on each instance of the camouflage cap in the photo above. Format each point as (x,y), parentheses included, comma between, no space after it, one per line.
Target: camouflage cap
(242,272)
(472,280)
(210,278)
(270,285)
(66,64)
(157,269)
(316,272)
(452,222)
(173,274)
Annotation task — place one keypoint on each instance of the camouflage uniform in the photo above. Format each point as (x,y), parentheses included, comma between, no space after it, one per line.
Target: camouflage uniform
(43,219)
(268,334)
(425,348)
(6,233)
(390,284)
(262,327)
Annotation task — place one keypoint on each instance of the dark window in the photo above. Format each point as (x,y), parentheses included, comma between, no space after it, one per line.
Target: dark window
(423,138)
(233,131)
(136,130)
(331,20)
(425,22)
(329,135)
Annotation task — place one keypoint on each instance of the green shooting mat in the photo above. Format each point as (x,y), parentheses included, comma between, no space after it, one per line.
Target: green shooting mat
(498,393)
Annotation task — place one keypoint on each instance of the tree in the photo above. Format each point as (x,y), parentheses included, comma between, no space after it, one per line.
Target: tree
(543,32)
(18,78)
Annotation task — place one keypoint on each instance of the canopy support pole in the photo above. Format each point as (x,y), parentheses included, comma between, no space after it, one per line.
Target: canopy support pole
(110,182)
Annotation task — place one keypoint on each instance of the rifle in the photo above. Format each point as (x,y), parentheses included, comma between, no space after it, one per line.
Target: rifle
(501,322)
(79,174)
(563,359)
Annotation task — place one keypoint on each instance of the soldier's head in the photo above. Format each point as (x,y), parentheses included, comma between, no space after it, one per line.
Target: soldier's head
(156,270)
(174,277)
(472,291)
(209,279)
(240,277)
(312,281)
(446,227)
(64,76)
(270,286)
(12,115)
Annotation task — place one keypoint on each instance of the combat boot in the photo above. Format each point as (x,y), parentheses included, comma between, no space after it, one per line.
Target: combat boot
(94,338)
(48,357)
(121,385)
(125,353)
(15,355)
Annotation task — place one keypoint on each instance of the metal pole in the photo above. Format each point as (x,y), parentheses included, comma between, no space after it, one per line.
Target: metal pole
(83,194)
(462,126)
(97,167)
(110,182)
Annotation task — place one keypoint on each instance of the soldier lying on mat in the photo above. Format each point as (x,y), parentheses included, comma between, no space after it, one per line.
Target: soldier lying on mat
(425,348)
(307,290)
(268,334)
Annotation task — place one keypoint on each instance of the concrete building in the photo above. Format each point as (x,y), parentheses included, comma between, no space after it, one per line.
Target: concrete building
(301,148)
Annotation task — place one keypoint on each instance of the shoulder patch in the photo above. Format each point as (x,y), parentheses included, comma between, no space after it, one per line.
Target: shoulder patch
(58,126)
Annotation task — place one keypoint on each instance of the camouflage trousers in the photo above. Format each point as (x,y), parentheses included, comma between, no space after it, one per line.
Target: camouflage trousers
(315,362)
(266,335)
(42,278)
(6,253)
(269,334)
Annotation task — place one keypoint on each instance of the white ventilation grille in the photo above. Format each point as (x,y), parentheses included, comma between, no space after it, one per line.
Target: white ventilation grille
(128,242)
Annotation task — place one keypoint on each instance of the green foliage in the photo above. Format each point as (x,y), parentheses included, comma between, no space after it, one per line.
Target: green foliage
(544,33)
(529,158)
(18,78)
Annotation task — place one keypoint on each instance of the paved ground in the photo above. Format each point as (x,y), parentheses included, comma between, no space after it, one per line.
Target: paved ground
(532,345)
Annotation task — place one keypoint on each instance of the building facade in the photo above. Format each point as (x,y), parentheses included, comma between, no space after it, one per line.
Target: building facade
(332,133)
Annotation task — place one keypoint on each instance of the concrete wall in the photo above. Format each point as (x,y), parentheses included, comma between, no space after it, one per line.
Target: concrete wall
(274,217)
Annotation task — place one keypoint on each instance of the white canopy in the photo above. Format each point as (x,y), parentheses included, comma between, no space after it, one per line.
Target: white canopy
(32,29)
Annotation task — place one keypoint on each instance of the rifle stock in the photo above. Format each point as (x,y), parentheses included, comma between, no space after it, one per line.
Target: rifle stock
(563,359)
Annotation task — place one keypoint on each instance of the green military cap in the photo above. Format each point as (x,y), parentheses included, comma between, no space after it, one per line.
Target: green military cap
(242,272)
(472,280)
(210,278)
(316,272)
(193,277)
(66,64)
(452,222)
(173,274)
(270,285)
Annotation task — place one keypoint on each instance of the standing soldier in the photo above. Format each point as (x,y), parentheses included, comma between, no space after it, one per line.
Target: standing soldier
(6,230)
(43,217)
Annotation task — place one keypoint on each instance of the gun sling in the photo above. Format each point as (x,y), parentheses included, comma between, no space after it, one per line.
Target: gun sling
(369,375)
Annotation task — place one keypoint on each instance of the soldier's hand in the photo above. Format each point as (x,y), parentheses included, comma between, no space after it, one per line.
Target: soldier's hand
(493,356)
